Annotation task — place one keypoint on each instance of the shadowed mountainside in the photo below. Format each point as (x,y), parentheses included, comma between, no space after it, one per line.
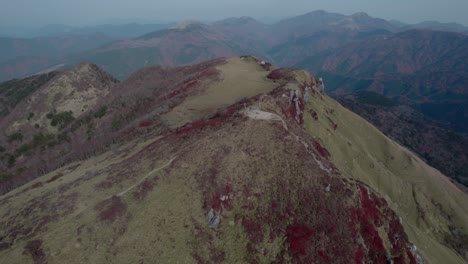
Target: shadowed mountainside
(424,69)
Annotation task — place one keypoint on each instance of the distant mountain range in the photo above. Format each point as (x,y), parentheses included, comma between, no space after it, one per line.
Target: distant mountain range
(285,43)
(49,47)
(425,69)
(116,31)
(416,65)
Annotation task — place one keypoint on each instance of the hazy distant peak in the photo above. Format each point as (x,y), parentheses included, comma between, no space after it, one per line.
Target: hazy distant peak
(186,24)
(323,13)
(86,66)
(237,20)
(360,15)
(318,12)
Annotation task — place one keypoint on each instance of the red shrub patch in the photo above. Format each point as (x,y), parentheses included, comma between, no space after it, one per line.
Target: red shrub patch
(369,217)
(410,257)
(379,201)
(396,236)
(208,73)
(369,210)
(324,257)
(144,124)
(298,236)
(276,74)
(253,229)
(111,209)
(34,248)
(199,125)
(216,202)
(143,189)
(321,150)
(372,239)
(359,255)
(185,87)
(211,122)
(353,222)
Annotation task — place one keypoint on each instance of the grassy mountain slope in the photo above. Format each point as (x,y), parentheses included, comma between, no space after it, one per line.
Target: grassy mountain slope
(246,178)
(439,147)
(425,199)
(36,130)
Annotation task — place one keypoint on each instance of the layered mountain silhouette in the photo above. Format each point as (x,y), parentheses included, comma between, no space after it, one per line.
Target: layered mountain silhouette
(424,69)
(231,160)
(235,36)
(169,146)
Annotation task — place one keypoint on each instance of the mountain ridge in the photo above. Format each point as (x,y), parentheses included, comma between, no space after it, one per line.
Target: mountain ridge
(258,167)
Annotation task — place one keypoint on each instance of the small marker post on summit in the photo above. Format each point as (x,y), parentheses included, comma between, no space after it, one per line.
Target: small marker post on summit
(321,85)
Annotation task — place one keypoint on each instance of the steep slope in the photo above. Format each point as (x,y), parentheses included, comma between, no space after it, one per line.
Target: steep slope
(443,149)
(431,207)
(14,91)
(259,174)
(34,135)
(76,115)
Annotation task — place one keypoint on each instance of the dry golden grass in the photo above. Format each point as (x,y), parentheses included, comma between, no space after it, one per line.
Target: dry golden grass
(240,78)
(412,187)
(165,220)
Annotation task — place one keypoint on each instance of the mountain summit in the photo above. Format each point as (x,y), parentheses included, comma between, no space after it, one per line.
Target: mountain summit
(186,24)
(232,161)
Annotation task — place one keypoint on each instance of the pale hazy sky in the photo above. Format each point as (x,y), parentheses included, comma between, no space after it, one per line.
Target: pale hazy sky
(81,12)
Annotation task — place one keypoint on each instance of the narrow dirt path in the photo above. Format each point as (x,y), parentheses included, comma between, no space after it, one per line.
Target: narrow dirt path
(146,176)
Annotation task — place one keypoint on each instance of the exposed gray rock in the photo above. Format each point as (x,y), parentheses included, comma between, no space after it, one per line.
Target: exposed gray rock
(291,96)
(213,219)
(306,94)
